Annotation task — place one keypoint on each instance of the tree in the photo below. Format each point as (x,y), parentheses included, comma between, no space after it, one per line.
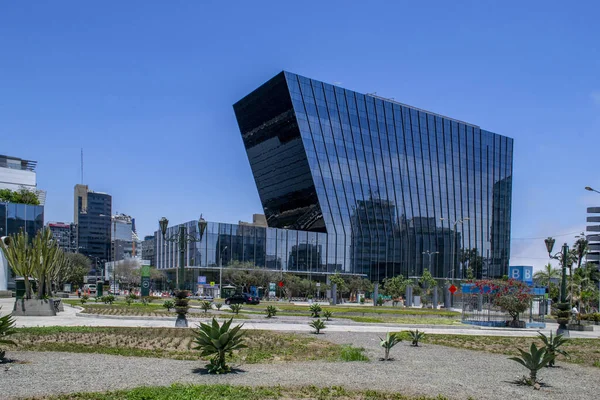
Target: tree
(474,262)
(395,287)
(513,296)
(79,266)
(21,196)
(337,279)
(356,284)
(546,275)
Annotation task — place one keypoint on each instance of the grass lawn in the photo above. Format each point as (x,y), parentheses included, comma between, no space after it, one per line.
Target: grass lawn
(358,310)
(263,346)
(582,351)
(228,392)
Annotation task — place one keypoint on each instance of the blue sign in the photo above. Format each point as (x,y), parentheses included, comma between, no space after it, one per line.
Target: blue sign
(201,280)
(521,273)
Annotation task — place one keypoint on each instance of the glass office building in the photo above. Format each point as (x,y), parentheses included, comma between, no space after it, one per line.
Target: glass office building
(365,185)
(16,217)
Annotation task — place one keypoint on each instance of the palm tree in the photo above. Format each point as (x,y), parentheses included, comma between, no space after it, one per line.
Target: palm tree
(545,276)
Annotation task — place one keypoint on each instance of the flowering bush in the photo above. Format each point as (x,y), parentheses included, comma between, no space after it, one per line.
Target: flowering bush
(511,295)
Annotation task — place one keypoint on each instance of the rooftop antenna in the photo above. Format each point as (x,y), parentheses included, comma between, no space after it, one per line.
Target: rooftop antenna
(82,165)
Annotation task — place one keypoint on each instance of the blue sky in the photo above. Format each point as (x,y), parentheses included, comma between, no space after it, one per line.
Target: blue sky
(147,87)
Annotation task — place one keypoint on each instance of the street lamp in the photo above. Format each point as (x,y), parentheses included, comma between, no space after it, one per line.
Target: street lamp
(453,248)
(591,189)
(562,328)
(221,272)
(182,238)
(430,254)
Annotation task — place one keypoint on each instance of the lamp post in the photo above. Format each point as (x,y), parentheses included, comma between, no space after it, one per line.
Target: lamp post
(221,272)
(594,190)
(564,306)
(182,238)
(453,248)
(430,254)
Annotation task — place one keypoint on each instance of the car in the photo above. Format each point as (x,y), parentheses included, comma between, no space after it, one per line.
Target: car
(89,287)
(244,298)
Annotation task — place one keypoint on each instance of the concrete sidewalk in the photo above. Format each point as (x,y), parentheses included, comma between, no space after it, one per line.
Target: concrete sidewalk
(69,318)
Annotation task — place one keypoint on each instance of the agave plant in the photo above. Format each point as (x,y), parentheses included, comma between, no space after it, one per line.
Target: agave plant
(318,325)
(552,344)
(7,328)
(271,311)
(168,304)
(206,305)
(235,308)
(416,336)
(391,339)
(534,360)
(327,314)
(218,342)
(315,310)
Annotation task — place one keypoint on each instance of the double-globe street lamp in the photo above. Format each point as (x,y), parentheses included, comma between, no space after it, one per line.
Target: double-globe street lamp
(182,238)
(562,328)
(430,254)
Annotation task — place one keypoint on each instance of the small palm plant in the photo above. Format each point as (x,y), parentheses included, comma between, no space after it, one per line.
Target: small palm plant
(168,304)
(315,310)
(84,298)
(7,327)
(218,342)
(327,314)
(235,308)
(416,336)
(271,311)
(534,360)
(552,344)
(391,339)
(218,306)
(128,300)
(318,325)
(206,305)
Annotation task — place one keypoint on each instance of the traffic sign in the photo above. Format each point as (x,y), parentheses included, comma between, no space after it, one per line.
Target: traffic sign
(452,289)
(212,284)
(280,283)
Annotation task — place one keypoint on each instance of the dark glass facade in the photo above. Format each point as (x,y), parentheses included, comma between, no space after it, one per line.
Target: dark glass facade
(94,226)
(358,184)
(14,217)
(385,181)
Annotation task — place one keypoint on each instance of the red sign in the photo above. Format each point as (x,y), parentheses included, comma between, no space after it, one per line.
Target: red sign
(452,289)
(280,283)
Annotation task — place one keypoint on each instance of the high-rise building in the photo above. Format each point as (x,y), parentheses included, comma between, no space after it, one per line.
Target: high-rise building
(149,249)
(93,220)
(593,236)
(17,174)
(125,241)
(65,234)
(360,184)
(376,182)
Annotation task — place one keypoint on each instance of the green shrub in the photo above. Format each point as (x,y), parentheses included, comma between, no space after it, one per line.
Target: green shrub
(271,311)
(218,342)
(362,300)
(534,360)
(327,314)
(128,300)
(350,353)
(206,305)
(416,336)
(108,299)
(315,310)
(97,299)
(235,308)
(317,325)
(7,328)
(390,341)
(552,344)
(182,303)
(133,296)
(168,304)
(379,301)
(84,298)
